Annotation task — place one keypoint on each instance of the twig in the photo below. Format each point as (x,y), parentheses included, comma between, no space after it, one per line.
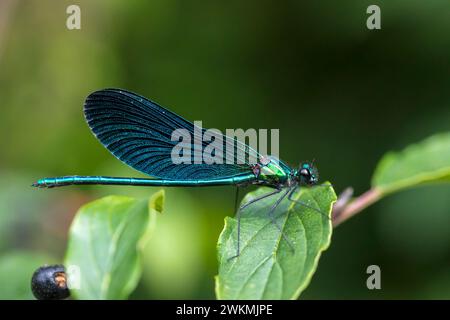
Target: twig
(343,209)
(342,202)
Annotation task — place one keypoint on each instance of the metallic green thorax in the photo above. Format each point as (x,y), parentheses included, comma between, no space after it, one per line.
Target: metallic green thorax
(273,173)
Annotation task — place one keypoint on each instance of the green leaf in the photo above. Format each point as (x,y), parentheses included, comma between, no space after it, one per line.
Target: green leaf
(16,270)
(425,162)
(105,243)
(268,267)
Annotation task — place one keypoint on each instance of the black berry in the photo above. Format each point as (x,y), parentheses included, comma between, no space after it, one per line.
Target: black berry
(50,283)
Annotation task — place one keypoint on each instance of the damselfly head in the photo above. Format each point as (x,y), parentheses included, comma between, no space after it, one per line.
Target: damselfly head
(307,174)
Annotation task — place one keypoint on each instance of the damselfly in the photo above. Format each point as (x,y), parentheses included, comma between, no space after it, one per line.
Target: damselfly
(139,133)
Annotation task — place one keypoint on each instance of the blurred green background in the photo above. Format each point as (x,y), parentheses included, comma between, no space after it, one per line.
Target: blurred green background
(339,93)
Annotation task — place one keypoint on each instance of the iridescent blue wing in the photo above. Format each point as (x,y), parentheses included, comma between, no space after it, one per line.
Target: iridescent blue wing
(138,132)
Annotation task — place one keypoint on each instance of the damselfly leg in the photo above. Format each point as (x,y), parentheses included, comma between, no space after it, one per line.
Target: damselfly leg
(245,205)
(270,215)
(304,203)
(238,216)
(272,218)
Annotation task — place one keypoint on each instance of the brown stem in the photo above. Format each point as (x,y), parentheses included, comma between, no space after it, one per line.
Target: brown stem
(343,210)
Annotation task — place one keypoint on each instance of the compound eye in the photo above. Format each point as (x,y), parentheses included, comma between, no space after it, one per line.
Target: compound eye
(305,172)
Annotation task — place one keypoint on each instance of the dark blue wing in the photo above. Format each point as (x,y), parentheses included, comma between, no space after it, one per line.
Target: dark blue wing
(138,132)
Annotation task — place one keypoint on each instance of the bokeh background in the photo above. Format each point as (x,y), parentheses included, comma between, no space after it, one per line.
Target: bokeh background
(338,92)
